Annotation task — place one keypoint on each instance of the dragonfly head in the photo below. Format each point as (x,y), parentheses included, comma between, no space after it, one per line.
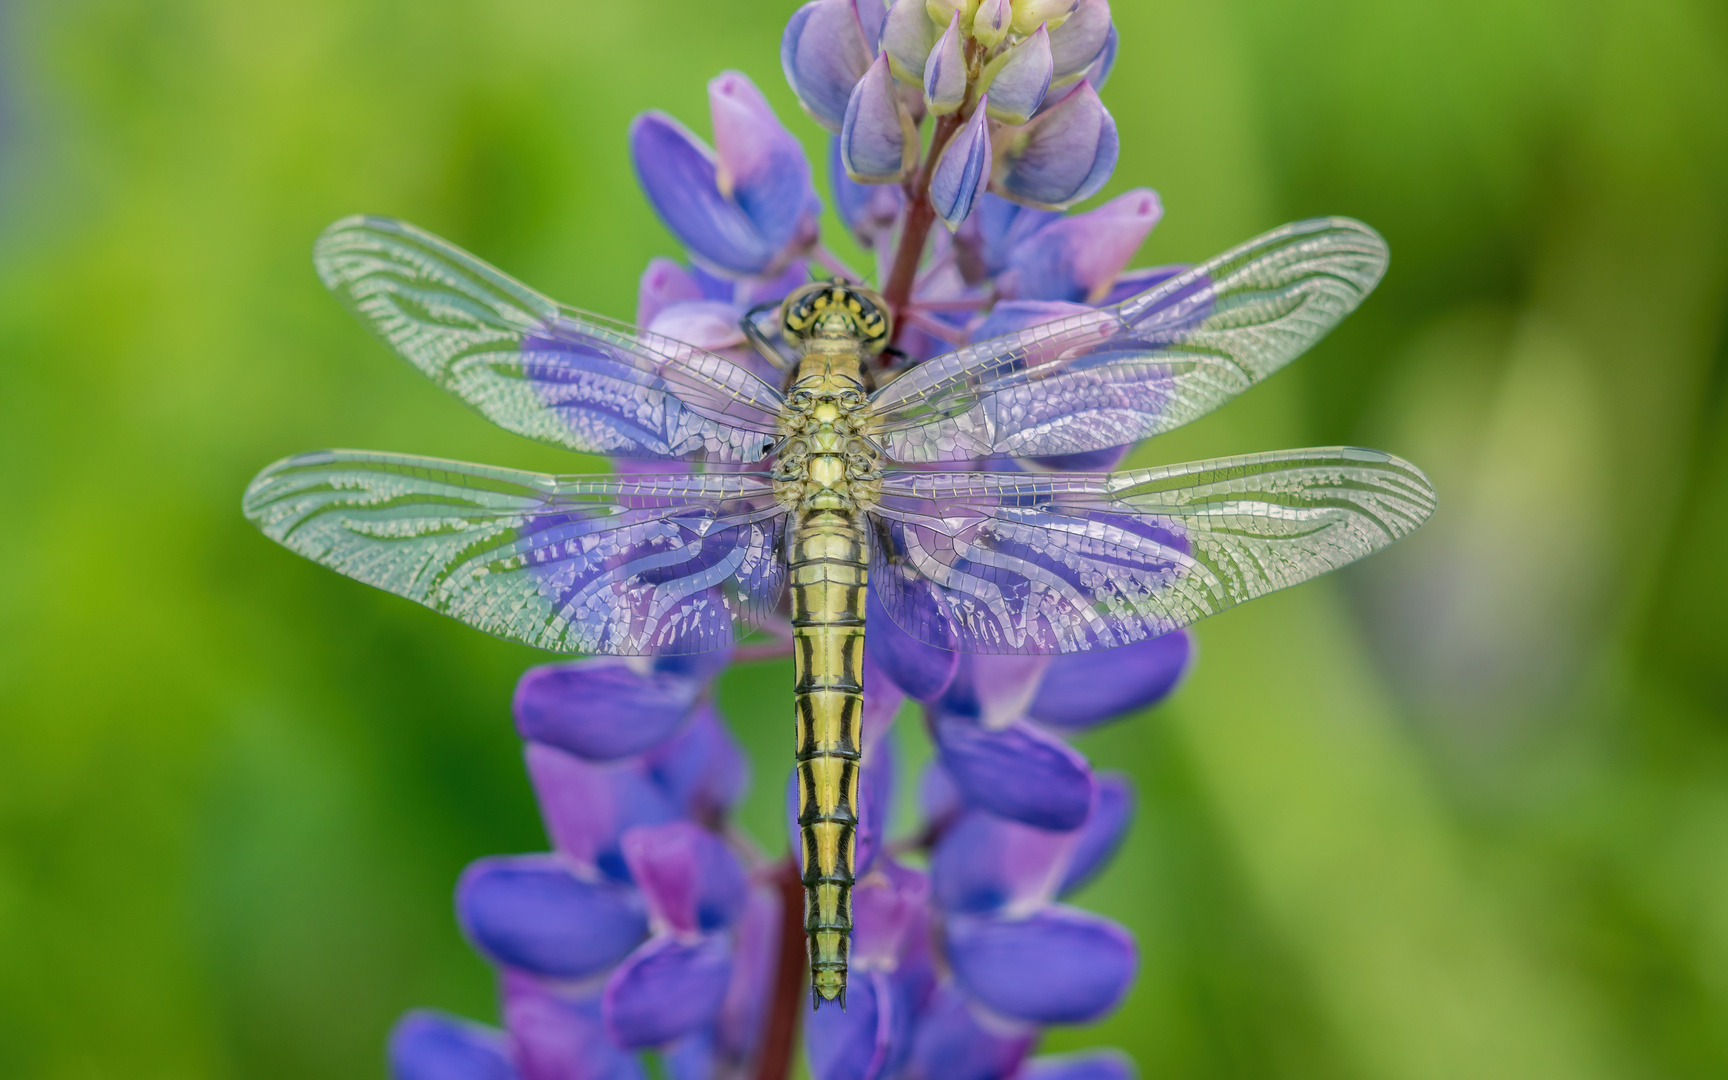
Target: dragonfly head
(838,312)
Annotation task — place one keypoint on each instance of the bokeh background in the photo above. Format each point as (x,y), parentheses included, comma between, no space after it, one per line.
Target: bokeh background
(1460,812)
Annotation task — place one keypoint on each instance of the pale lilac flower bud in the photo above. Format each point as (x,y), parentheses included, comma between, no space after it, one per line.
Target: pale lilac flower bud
(962,170)
(1018,79)
(990,23)
(940,11)
(907,37)
(1064,155)
(869,210)
(825,51)
(945,72)
(1100,69)
(878,141)
(1079,40)
(1031,14)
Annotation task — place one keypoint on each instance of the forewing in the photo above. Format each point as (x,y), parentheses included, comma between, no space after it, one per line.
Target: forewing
(1149,364)
(1022,563)
(596,564)
(536,367)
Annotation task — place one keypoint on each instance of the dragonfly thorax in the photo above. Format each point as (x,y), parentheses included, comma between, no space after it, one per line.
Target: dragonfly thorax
(827,461)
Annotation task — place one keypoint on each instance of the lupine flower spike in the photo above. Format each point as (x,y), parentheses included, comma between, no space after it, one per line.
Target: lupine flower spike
(906,492)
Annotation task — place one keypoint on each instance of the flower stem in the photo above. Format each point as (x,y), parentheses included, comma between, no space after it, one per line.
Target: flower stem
(920,215)
(786,1006)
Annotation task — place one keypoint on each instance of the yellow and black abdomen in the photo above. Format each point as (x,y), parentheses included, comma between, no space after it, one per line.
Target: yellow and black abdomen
(828,571)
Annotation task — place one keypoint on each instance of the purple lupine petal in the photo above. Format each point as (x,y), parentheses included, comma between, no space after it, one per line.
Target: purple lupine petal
(1098,72)
(824,53)
(679,174)
(991,22)
(886,909)
(530,912)
(866,1040)
(755,958)
(1029,15)
(688,877)
(875,804)
(1062,157)
(601,708)
(1059,966)
(1112,807)
(922,671)
(664,282)
(761,165)
(1019,772)
(1024,78)
(866,209)
(882,701)
(1011,315)
(952,1043)
(945,71)
(701,769)
(586,807)
(555,1038)
(1092,1065)
(963,169)
(1080,40)
(938,796)
(878,141)
(428,1045)
(907,37)
(995,228)
(1083,689)
(994,689)
(1134,282)
(1079,257)
(706,324)
(666,989)
(985,864)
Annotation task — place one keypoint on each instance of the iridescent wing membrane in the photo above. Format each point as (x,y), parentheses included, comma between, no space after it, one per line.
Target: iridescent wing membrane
(983,562)
(598,564)
(536,367)
(1142,367)
(1054,563)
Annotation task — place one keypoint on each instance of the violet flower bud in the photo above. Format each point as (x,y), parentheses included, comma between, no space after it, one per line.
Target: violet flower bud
(991,22)
(825,50)
(1079,40)
(945,72)
(1031,14)
(1018,79)
(430,1045)
(878,141)
(962,170)
(907,38)
(1064,155)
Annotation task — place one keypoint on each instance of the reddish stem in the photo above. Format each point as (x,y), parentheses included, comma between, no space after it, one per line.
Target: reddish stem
(786,1006)
(920,215)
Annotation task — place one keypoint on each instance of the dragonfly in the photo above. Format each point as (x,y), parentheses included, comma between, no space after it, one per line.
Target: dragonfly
(922,484)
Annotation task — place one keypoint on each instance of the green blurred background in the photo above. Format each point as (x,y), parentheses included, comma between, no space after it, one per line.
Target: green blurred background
(1460,812)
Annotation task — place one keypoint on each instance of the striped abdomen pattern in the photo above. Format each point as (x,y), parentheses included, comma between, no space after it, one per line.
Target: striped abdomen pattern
(827,472)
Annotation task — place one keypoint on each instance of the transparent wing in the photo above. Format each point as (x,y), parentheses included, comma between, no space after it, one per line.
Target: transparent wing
(535,367)
(1021,563)
(1149,364)
(597,564)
